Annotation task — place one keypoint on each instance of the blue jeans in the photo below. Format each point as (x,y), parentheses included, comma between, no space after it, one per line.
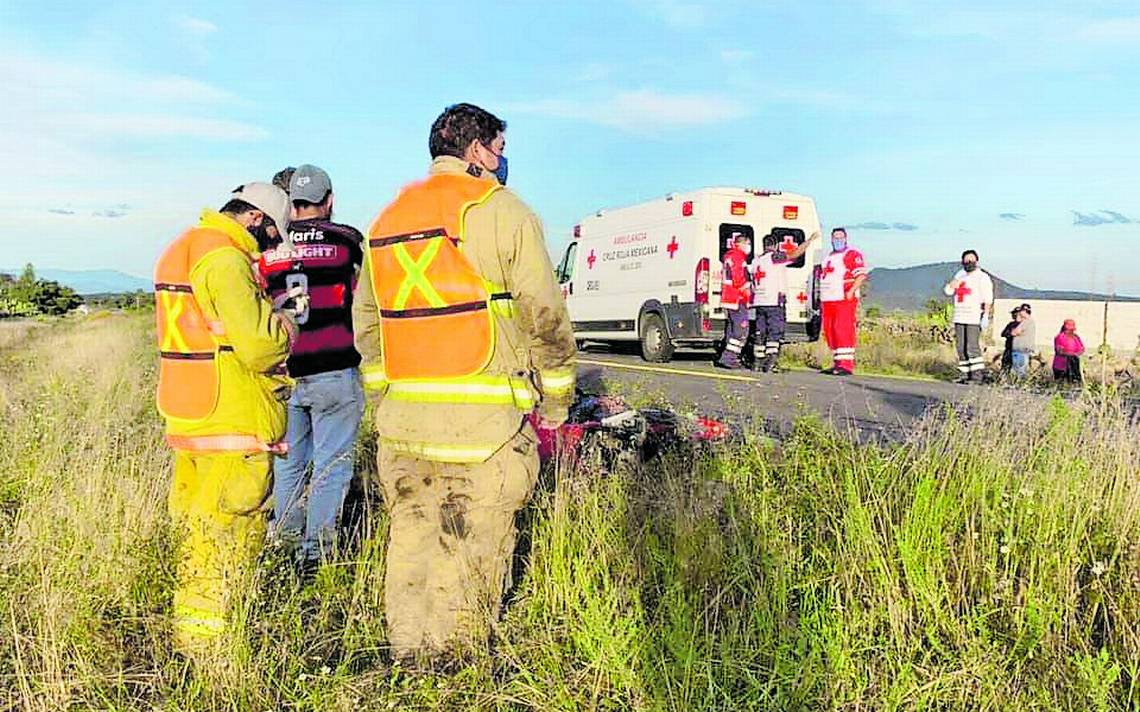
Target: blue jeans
(324,418)
(1020,363)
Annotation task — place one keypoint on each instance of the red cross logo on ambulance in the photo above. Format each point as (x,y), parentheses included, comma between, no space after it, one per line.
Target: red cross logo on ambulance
(788,245)
(591,259)
(672,247)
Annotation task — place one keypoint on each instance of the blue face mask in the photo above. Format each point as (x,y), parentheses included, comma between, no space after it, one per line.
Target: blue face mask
(501,171)
(839,244)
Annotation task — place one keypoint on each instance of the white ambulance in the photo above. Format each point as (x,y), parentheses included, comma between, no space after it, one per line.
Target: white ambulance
(651,272)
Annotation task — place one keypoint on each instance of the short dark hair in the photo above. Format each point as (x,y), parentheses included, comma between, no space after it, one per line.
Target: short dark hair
(302,204)
(237,207)
(770,240)
(240,207)
(971,252)
(458,126)
(838,229)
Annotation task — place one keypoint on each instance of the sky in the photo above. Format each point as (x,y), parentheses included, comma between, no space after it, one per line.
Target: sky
(926,127)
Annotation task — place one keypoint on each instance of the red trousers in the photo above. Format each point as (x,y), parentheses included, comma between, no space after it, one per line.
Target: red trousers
(839,331)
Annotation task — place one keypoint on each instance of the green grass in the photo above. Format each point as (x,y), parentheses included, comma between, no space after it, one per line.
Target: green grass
(897,345)
(992,562)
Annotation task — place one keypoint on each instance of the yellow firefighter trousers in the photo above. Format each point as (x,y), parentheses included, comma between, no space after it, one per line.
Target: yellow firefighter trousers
(451,539)
(218,505)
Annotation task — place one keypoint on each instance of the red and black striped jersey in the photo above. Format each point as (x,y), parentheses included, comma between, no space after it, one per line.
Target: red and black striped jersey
(324,262)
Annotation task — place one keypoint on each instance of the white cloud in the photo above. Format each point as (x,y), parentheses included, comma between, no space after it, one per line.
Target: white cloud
(60,81)
(593,72)
(736,56)
(146,125)
(68,105)
(675,13)
(1118,29)
(195,25)
(642,112)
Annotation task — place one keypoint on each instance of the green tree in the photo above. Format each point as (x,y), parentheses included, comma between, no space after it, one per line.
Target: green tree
(29,295)
(50,297)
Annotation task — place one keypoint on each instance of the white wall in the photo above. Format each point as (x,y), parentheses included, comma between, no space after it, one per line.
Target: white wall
(1122,320)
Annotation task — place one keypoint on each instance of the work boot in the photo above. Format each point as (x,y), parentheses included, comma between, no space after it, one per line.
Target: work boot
(730,364)
(773,365)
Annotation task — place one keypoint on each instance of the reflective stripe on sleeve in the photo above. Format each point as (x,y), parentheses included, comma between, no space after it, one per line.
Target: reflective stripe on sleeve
(373,377)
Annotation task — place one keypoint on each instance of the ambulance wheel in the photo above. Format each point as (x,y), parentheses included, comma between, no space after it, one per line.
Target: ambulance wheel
(656,346)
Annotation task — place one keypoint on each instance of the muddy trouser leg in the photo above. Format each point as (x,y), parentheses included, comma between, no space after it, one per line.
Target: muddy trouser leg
(451,538)
(219,505)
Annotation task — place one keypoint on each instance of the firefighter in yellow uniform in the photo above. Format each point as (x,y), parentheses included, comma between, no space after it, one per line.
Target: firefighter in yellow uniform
(220,341)
(463,332)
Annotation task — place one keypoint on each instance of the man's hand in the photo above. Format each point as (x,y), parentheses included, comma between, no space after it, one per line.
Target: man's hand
(814,237)
(292,303)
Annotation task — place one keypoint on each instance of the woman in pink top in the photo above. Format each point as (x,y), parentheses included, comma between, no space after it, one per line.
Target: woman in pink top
(1067,350)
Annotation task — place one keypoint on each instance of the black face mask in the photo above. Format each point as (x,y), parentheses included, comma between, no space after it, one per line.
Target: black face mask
(969,266)
(261,234)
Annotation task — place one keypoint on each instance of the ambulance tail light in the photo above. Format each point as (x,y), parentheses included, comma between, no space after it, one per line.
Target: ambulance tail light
(687,208)
(577,231)
(701,282)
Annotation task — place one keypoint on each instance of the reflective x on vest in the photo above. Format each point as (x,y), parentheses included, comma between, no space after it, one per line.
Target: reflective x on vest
(188,345)
(436,318)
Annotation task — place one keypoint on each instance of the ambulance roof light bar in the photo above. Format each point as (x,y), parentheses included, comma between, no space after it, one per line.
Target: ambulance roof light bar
(763,192)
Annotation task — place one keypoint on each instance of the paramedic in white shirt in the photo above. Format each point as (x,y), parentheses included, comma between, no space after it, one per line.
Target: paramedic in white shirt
(769,299)
(972,293)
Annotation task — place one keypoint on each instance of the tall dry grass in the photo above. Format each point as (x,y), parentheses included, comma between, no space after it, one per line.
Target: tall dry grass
(992,563)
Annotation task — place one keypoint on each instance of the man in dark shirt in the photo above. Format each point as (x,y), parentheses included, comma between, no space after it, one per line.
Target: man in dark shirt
(321,260)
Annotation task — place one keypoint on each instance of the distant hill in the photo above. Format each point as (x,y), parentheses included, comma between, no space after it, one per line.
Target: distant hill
(91,281)
(909,288)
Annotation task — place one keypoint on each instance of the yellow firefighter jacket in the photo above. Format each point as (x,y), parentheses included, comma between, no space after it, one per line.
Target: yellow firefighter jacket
(248,413)
(468,419)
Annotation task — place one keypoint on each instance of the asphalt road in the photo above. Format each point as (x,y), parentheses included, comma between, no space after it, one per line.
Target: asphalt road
(869,407)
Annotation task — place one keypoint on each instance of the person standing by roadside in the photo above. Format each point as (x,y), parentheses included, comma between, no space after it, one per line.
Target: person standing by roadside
(841,278)
(769,299)
(464,334)
(1067,351)
(735,296)
(972,294)
(1020,336)
(321,259)
(219,339)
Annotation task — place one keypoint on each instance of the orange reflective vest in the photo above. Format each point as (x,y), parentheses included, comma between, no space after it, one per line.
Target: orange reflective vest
(188,345)
(435,309)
